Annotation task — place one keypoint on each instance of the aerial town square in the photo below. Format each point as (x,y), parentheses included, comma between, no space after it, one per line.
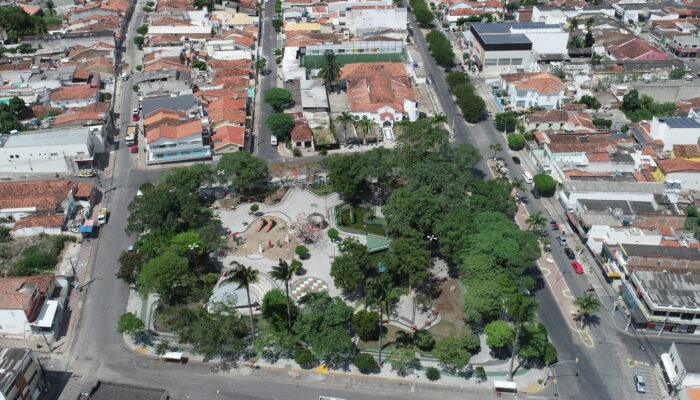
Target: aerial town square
(349,199)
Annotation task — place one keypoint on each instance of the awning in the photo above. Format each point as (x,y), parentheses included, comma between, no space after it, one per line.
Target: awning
(668,367)
(48,312)
(87,226)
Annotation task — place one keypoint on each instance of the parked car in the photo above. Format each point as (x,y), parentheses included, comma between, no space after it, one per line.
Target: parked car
(569,253)
(134,148)
(273,140)
(135,114)
(639,382)
(86,174)
(577,267)
(516,159)
(535,193)
(561,239)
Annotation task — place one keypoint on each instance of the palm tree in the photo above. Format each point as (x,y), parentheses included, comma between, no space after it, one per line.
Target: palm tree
(284,272)
(535,221)
(587,305)
(521,309)
(438,119)
(380,293)
(365,125)
(345,118)
(50,7)
(495,148)
(519,185)
(573,25)
(330,71)
(245,276)
(589,24)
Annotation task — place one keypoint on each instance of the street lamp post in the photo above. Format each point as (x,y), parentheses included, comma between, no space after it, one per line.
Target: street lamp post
(193,248)
(431,238)
(221,174)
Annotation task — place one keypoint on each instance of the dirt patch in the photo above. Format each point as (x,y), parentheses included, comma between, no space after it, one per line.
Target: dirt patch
(253,240)
(450,304)
(276,196)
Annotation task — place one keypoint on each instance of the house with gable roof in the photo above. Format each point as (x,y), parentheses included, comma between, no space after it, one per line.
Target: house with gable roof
(534,89)
(176,142)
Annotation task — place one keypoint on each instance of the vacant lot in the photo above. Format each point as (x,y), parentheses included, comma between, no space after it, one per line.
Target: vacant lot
(31,255)
(315,62)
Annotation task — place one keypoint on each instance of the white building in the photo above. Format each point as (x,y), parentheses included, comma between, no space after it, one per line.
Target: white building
(183,30)
(575,190)
(66,150)
(20,375)
(675,131)
(370,19)
(682,366)
(533,89)
(612,235)
(548,15)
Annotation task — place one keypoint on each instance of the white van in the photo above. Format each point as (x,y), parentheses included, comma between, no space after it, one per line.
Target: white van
(273,140)
(527,177)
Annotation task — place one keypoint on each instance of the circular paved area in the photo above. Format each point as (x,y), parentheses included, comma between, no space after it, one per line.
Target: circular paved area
(302,286)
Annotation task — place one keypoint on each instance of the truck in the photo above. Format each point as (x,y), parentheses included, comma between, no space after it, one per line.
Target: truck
(102,216)
(131,134)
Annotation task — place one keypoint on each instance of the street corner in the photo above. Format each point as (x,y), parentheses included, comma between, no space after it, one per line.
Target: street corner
(586,338)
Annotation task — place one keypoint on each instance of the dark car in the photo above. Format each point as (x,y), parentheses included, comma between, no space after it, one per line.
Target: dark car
(569,253)
(516,159)
(535,193)
(259,213)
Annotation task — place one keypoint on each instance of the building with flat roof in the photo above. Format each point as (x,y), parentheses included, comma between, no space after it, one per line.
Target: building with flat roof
(499,48)
(681,364)
(673,131)
(20,374)
(62,150)
(653,192)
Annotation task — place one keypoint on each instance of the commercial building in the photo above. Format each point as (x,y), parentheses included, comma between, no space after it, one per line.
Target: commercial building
(29,304)
(673,131)
(63,150)
(681,365)
(499,48)
(176,143)
(369,20)
(21,376)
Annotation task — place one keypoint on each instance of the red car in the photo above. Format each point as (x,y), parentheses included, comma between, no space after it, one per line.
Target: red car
(134,148)
(577,267)
(135,118)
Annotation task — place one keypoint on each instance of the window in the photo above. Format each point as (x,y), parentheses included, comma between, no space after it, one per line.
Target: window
(80,153)
(298,144)
(16,155)
(491,61)
(54,154)
(11,156)
(516,61)
(687,317)
(660,313)
(674,314)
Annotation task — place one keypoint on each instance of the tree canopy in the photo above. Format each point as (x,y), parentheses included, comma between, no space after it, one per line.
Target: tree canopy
(164,274)
(279,123)
(350,268)
(277,98)
(242,169)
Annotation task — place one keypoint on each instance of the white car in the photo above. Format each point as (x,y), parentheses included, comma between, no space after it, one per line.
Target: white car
(273,140)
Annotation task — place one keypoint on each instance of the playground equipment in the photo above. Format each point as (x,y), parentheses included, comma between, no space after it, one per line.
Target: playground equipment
(270,225)
(315,221)
(262,223)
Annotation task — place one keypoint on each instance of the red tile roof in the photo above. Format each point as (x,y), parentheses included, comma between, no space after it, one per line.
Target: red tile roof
(87,116)
(73,93)
(55,220)
(229,135)
(16,292)
(301,132)
(372,86)
(634,49)
(678,165)
(174,131)
(541,82)
(227,110)
(598,157)
(686,150)
(44,195)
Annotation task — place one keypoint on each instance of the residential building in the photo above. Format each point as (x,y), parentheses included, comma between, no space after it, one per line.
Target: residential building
(191,31)
(558,120)
(24,199)
(301,136)
(685,46)
(228,139)
(533,89)
(27,304)
(673,131)
(679,173)
(651,192)
(185,102)
(63,150)
(682,367)
(175,143)
(313,95)
(380,92)
(120,391)
(223,112)
(635,50)
(73,96)
(21,376)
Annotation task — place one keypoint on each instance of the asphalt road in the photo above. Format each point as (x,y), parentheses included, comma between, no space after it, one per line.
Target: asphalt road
(263,148)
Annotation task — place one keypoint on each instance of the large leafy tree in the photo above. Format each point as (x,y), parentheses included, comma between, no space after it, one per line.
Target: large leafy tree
(129,323)
(521,309)
(189,179)
(277,98)
(498,334)
(319,312)
(274,344)
(279,123)
(164,274)
(401,358)
(333,345)
(533,343)
(347,172)
(408,261)
(472,106)
(9,114)
(166,210)
(411,213)
(350,269)
(242,169)
(453,352)
(274,309)
(130,263)
(244,277)
(366,324)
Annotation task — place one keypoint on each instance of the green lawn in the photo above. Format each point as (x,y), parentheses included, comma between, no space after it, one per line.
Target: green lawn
(391,335)
(316,61)
(359,225)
